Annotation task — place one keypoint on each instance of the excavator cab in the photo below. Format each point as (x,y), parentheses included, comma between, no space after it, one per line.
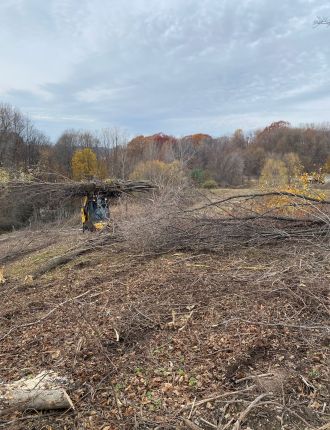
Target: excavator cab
(95,213)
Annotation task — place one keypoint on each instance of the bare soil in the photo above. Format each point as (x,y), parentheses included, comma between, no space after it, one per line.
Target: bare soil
(170,341)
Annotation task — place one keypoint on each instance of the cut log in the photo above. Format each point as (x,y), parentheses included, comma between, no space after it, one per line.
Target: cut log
(42,392)
(69,256)
(37,399)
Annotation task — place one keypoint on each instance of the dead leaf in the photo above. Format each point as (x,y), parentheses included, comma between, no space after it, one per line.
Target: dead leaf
(167,387)
(2,278)
(28,279)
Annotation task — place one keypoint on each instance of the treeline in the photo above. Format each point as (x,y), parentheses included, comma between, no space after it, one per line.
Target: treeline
(21,144)
(227,160)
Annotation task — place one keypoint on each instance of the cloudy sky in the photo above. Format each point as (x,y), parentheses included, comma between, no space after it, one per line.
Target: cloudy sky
(176,66)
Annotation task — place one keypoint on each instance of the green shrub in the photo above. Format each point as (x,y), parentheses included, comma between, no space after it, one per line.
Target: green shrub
(198,176)
(209,184)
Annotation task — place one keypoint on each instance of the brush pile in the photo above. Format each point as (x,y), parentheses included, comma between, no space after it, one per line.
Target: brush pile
(235,221)
(41,191)
(20,201)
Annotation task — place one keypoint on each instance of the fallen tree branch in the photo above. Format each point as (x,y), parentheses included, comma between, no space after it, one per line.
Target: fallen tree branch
(212,399)
(254,195)
(246,412)
(190,424)
(278,324)
(69,256)
(247,378)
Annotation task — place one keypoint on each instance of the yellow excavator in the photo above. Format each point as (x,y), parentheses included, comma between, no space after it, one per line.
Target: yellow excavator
(95,212)
(96,197)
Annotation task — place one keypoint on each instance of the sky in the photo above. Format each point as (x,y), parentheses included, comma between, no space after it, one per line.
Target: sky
(173,66)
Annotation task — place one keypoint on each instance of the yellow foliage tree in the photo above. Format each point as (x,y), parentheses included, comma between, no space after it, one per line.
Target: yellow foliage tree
(4,176)
(159,173)
(84,164)
(274,174)
(286,176)
(294,167)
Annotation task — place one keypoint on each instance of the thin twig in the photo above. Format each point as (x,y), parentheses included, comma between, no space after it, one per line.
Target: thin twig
(219,396)
(246,411)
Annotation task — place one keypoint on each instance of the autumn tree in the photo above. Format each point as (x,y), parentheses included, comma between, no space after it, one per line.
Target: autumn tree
(293,165)
(159,173)
(84,164)
(191,150)
(274,174)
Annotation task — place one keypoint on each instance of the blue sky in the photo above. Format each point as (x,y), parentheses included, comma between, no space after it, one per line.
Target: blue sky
(176,66)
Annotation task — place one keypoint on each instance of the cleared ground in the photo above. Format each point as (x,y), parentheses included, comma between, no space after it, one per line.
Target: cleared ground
(170,341)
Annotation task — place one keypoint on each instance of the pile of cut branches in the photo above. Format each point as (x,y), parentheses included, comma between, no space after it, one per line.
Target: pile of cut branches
(21,200)
(241,220)
(41,191)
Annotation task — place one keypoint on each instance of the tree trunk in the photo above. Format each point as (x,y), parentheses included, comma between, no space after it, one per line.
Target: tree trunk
(37,399)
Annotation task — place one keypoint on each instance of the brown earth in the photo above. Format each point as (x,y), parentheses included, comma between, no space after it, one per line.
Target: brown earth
(172,341)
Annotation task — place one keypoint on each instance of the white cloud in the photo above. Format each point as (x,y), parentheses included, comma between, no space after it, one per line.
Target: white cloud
(175,64)
(99,94)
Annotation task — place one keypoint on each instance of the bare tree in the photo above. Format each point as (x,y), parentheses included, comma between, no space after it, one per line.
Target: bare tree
(113,143)
(20,141)
(183,150)
(322,20)
(63,151)
(87,139)
(123,160)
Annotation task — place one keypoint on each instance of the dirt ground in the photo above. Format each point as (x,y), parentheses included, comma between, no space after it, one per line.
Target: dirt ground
(228,340)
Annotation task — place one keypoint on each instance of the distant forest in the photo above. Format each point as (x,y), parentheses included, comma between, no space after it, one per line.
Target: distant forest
(230,160)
